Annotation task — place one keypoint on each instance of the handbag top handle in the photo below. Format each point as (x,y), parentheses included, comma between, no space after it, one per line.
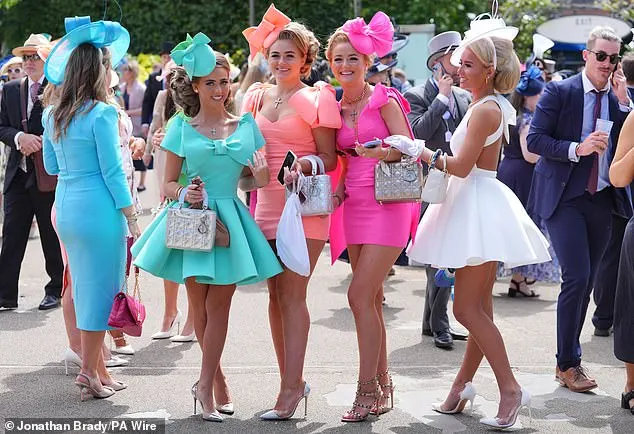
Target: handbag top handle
(316,163)
(181,199)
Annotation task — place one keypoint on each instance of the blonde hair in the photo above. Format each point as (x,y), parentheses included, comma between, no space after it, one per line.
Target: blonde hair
(602,32)
(341,37)
(183,91)
(304,40)
(499,53)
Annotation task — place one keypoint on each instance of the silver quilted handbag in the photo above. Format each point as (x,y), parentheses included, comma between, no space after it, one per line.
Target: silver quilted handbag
(190,229)
(436,182)
(400,181)
(316,190)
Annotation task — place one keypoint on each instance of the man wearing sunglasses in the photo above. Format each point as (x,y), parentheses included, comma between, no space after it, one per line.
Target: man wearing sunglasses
(571,189)
(24,193)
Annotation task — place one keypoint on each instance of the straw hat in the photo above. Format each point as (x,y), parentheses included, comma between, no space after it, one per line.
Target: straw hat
(32,44)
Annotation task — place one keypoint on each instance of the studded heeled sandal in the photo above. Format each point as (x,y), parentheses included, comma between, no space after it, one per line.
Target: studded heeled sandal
(360,412)
(387,393)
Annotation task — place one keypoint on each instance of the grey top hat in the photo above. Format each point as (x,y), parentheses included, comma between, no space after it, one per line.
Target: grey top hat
(442,44)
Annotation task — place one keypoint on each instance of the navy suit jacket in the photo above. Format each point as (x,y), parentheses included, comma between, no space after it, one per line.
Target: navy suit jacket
(557,122)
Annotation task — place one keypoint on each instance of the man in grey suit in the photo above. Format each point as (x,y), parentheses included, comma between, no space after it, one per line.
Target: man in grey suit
(438,106)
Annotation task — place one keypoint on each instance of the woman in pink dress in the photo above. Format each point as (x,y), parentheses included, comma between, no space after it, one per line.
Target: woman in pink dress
(302,119)
(375,234)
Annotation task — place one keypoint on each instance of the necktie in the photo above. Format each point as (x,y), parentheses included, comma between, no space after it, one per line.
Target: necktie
(593,180)
(35,88)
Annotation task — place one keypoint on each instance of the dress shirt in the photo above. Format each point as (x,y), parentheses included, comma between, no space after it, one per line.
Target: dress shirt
(589,99)
(29,107)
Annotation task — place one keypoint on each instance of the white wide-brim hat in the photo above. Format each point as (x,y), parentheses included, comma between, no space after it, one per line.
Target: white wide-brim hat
(481,28)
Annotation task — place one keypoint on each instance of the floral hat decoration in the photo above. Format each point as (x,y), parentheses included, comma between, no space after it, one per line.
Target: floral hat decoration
(195,55)
(376,37)
(260,38)
(79,30)
(531,82)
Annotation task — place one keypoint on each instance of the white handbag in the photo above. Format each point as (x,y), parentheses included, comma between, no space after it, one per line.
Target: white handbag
(190,229)
(316,189)
(435,185)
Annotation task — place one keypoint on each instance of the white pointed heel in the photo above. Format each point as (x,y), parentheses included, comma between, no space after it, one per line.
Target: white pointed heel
(525,401)
(176,325)
(71,357)
(184,338)
(226,408)
(211,416)
(468,394)
(275,415)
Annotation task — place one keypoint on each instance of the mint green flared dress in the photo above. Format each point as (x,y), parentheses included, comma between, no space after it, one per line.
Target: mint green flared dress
(219,163)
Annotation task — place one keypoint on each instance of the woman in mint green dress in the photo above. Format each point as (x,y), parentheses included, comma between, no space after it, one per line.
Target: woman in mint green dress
(206,141)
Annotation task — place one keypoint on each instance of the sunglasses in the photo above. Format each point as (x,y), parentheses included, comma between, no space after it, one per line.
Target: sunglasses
(602,55)
(14,71)
(33,57)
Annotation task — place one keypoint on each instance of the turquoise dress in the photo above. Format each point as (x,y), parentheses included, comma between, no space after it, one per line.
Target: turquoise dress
(219,163)
(91,190)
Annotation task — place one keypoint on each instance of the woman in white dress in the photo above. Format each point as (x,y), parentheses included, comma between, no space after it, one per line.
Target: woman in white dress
(481,221)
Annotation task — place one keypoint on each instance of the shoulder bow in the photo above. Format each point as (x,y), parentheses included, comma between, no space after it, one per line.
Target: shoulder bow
(195,55)
(376,37)
(509,115)
(262,37)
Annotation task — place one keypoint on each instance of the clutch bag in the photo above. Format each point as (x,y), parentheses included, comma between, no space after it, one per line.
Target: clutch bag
(128,312)
(436,182)
(399,181)
(190,229)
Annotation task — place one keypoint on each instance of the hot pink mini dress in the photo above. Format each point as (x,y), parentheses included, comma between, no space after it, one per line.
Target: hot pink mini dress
(314,107)
(365,221)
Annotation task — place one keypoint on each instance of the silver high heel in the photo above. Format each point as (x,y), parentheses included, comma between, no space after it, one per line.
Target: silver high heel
(176,324)
(525,401)
(468,394)
(275,415)
(89,387)
(212,416)
(71,357)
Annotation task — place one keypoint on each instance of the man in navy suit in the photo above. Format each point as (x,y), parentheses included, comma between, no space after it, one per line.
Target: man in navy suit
(571,189)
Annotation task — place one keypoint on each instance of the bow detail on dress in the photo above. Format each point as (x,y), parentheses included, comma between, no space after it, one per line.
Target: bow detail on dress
(195,55)
(317,105)
(224,146)
(508,114)
(376,37)
(260,38)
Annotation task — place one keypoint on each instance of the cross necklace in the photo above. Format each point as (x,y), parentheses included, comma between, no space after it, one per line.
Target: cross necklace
(278,101)
(356,101)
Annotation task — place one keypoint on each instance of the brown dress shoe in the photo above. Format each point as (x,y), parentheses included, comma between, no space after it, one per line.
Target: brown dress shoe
(576,379)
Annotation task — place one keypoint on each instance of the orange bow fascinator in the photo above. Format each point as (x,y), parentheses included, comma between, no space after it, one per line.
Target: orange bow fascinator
(260,38)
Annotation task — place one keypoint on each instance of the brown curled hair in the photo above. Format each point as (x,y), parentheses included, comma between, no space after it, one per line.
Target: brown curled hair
(183,91)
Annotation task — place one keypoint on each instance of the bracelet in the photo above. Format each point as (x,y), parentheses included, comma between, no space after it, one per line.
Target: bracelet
(178,192)
(389,150)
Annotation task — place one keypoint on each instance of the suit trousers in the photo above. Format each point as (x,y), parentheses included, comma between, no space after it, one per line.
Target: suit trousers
(435,312)
(20,205)
(605,282)
(579,230)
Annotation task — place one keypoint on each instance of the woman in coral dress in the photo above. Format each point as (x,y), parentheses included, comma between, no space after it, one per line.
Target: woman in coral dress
(295,117)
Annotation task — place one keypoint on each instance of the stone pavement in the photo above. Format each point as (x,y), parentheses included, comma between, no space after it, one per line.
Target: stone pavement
(33,384)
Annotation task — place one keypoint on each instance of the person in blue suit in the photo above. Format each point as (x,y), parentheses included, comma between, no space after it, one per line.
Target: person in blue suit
(571,188)
(92,200)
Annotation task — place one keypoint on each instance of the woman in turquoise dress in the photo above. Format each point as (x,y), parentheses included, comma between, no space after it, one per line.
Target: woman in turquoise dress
(206,141)
(92,199)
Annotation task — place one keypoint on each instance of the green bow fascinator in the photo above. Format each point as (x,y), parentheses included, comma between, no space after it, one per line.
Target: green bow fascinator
(195,55)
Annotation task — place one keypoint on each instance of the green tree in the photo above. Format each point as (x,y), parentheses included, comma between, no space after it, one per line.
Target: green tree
(526,15)
(619,8)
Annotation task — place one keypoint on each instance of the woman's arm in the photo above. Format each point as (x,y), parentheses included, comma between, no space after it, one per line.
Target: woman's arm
(622,168)
(256,174)
(528,155)
(484,121)
(325,140)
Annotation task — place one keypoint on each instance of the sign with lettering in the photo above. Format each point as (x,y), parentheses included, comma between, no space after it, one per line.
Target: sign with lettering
(576,28)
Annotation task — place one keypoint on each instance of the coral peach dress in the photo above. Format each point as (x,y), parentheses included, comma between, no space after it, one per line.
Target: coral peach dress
(314,107)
